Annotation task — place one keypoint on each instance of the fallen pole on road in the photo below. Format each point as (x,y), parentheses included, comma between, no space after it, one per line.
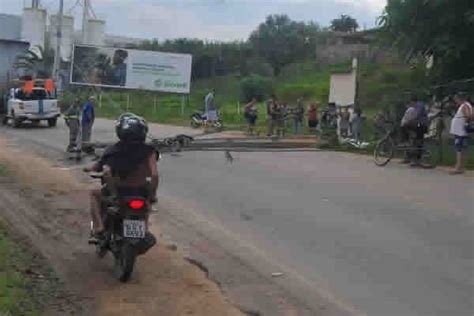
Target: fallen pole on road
(185,143)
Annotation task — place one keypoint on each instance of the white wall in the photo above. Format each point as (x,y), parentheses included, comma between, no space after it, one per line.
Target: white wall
(67,35)
(33,26)
(343,88)
(95,31)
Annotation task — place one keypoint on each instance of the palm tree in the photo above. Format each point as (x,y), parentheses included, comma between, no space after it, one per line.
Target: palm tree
(36,63)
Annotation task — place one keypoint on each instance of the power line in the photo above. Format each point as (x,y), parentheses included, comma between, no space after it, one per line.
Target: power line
(92,11)
(78,2)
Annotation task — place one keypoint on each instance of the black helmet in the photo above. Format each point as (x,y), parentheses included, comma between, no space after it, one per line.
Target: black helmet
(131,128)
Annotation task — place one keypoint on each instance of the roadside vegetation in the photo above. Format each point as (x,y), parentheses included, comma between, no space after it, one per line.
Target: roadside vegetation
(16,281)
(27,283)
(3,170)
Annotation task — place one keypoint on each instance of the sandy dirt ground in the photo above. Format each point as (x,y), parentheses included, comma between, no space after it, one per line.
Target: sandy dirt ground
(50,206)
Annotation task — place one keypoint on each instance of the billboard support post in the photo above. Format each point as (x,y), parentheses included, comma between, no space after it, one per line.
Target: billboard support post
(154,105)
(128,101)
(182,105)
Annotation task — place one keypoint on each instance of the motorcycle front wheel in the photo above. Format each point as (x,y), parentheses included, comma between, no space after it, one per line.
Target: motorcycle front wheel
(124,262)
(195,124)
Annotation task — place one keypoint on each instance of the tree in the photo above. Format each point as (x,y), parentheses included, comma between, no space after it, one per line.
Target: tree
(439,28)
(209,58)
(37,62)
(344,23)
(280,41)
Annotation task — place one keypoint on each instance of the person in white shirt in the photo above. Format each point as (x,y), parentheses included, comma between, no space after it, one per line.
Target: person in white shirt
(458,129)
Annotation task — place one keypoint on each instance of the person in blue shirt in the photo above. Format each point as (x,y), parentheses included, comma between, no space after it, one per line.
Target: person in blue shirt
(208,102)
(88,118)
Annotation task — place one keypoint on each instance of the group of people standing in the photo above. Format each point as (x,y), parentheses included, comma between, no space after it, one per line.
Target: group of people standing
(348,124)
(80,119)
(278,115)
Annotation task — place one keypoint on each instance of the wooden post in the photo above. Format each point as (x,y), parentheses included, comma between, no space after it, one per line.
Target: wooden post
(128,102)
(100,99)
(182,105)
(154,105)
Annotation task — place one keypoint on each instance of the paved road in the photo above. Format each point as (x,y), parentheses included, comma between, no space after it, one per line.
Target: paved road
(381,241)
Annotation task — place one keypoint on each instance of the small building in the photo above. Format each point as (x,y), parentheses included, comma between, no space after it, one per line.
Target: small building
(10,26)
(9,50)
(338,47)
(11,45)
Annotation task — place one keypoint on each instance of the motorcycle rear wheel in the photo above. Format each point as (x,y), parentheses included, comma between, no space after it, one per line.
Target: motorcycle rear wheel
(124,263)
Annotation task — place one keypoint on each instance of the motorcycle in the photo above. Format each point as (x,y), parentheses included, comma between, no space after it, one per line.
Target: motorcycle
(124,214)
(199,119)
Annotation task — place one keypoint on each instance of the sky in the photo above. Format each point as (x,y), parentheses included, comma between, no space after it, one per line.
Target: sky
(222,20)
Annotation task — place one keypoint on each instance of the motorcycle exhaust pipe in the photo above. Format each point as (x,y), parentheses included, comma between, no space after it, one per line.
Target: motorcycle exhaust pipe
(92,241)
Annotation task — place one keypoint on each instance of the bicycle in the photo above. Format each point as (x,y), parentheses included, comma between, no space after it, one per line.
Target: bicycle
(387,147)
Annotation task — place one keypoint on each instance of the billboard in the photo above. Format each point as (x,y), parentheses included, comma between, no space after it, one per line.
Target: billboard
(131,69)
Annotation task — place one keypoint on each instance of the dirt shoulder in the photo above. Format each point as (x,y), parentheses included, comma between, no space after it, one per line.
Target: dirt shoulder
(50,206)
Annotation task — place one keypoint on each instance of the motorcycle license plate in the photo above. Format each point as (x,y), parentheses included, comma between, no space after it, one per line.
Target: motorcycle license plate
(133,228)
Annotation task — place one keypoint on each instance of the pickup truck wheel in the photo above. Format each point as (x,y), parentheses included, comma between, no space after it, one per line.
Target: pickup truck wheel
(16,122)
(52,122)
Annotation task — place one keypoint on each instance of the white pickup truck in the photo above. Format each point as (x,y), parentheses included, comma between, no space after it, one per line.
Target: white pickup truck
(39,105)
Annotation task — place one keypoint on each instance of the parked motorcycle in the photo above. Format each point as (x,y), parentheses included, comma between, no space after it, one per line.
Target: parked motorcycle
(329,118)
(199,119)
(124,214)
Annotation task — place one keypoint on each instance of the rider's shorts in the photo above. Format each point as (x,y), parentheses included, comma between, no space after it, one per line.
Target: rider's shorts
(461,143)
(212,115)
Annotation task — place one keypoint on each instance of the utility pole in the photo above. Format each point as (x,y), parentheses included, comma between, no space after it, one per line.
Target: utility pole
(85,20)
(57,53)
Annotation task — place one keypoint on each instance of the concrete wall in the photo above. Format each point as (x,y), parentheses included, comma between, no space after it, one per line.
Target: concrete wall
(10,27)
(340,53)
(8,51)
(341,48)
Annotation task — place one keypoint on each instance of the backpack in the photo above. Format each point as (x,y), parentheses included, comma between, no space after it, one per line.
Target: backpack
(469,126)
(422,115)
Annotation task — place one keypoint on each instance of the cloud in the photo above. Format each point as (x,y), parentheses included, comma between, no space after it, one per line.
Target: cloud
(162,21)
(373,5)
(209,19)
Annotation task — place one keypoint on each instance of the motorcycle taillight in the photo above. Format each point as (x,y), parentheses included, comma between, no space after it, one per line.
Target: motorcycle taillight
(136,204)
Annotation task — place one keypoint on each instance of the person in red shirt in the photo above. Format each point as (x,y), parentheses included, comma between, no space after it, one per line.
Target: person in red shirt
(313,116)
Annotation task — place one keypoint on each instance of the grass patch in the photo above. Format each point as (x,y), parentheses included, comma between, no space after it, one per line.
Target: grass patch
(3,170)
(15,286)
